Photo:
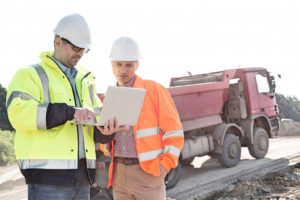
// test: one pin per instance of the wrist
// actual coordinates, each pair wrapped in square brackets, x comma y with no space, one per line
[70,111]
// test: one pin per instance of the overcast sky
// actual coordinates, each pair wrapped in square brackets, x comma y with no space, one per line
[174,36]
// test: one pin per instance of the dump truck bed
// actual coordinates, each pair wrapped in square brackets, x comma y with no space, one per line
[200,98]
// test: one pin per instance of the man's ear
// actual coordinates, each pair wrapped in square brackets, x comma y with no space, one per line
[137,65]
[57,42]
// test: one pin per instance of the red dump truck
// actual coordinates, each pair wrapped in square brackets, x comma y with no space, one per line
[224,111]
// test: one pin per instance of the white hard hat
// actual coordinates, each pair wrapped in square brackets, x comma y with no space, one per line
[125,49]
[75,29]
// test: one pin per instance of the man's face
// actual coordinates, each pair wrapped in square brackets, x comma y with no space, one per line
[124,71]
[64,53]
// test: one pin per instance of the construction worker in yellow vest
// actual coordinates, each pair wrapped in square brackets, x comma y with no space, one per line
[56,155]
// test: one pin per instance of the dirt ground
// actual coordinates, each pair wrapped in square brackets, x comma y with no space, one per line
[275,186]
[289,128]
[283,185]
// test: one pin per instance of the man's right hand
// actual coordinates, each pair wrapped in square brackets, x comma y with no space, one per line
[83,115]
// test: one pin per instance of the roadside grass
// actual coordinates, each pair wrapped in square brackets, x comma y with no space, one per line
[7,153]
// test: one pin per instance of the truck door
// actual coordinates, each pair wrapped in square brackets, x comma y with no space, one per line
[265,95]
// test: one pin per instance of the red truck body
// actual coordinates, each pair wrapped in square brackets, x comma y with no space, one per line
[200,99]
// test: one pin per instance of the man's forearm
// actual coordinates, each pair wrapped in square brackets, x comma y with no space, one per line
[100,138]
[58,114]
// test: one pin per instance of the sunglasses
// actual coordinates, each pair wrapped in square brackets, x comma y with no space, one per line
[75,48]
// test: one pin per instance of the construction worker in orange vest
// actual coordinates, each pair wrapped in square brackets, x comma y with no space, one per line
[145,153]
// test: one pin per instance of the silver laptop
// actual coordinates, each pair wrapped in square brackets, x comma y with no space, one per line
[121,102]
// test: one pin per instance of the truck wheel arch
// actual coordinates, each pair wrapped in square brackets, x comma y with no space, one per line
[220,132]
[260,120]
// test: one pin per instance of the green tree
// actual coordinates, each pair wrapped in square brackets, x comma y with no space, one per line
[4,122]
[289,107]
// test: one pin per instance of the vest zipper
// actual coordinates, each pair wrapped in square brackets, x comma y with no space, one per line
[89,176]
[74,98]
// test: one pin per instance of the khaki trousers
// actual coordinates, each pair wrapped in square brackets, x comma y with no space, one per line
[130,182]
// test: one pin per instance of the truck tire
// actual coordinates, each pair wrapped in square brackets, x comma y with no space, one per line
[260,145]
[172,177]
[187,161]
[231,151]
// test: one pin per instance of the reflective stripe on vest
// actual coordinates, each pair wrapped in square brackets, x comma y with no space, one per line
[150,155]
[91,94]
[172,150]
[53,164]
[148,132]
[45,82]
[177,133]
[41,122]
[154,154]
[22,95]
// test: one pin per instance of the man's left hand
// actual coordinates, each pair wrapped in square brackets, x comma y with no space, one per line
[163,171]
[111,127]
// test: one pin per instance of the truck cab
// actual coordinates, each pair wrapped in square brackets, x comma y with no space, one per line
[261,97]
[252,97]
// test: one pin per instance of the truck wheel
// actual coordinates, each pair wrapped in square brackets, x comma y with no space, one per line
[172,177]
[231,151]
[260,145]
[187,161]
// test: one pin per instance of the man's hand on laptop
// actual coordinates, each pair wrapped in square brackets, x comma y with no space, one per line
[84,115]
[111,127]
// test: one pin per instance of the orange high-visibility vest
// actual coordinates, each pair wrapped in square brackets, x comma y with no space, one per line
[158,133]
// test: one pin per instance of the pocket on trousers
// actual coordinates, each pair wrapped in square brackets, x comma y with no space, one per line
[146,180]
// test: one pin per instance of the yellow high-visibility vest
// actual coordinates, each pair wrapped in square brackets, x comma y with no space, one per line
[28,95]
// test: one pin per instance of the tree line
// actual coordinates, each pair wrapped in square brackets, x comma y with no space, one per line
[289,107]
[4,122]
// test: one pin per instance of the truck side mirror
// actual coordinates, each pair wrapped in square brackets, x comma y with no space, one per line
[273,83]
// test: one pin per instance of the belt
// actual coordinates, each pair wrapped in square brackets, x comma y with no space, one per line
[127,161]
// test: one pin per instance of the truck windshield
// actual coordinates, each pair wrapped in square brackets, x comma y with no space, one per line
[262,83]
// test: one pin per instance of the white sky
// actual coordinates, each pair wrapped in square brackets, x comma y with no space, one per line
[174,36]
